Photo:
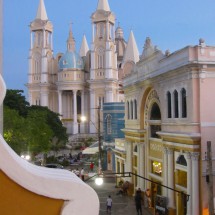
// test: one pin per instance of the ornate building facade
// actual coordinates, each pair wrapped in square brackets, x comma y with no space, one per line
[76,83]
[168,121]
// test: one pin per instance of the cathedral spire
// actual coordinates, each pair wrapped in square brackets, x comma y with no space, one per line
[131,52]
[41,11]
[103,5]
[84,47]
[70,40]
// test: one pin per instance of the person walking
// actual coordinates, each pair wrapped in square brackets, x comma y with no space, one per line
[109,204]
[82,174]
[138,201]
[91,166]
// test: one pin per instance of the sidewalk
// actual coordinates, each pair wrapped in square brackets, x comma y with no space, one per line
[121,204]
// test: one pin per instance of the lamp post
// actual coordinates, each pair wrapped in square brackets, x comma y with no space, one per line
[99,179]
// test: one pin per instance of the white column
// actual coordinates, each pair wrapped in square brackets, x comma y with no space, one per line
[75,122]
[189,183]
[92,71]
[44,99]
[141,164]
[138,164]
[82,103]
[128,161]
[60,103]
[75,106]
[108,95]
[170,179]
[179,105]
[165,171]
[107,31]
[93,112]
[82,111]
[44,75]
[195,183]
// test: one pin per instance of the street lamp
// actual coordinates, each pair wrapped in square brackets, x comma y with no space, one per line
[99,180]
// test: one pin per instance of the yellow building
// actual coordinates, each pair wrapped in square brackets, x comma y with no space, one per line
[168,120]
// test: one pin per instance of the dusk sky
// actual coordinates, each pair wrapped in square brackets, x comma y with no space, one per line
[170,25]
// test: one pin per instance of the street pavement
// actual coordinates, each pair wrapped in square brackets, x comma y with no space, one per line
[121,204]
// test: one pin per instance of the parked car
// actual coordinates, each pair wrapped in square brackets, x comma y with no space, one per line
[53,165]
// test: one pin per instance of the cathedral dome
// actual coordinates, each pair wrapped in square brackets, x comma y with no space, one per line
[71,60]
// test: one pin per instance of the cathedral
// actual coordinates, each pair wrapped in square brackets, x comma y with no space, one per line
[77,83]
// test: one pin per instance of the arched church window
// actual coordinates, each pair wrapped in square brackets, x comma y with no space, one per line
[100,58]
[101,30]
[135,148]
[155,112]
[135,109]
[184,103]
[175,93]
[36,67]
[155,120]
[39,35]
[169,105]
[132,109]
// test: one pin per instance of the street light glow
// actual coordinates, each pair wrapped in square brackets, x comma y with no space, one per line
[27,157]
[83,118]
[99,181]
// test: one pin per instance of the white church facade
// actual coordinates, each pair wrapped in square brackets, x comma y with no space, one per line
[75,83]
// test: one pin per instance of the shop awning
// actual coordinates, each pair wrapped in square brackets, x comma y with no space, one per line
[91,150]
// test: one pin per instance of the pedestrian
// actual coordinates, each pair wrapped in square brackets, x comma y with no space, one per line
[138,200]
[82,174]
[91,166]
[109,204]
[77,172]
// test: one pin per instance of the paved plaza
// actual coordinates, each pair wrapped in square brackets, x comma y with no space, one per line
[121,204]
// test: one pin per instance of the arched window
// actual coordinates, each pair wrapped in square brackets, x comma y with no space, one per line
[100,58]
[100,61]
[181,160]
[176,103]
[135,109]
[101,30]
[169,105]
[108,118]
[155,120]
[36,67]
[155,112]
[183,103]
[132,109]
[128,110]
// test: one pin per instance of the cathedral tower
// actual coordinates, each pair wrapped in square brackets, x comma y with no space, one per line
[103,73]
[40,59]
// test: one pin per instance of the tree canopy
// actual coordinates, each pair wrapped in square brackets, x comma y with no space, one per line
[31,129]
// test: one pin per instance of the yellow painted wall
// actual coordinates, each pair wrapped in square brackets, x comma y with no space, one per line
[16,200]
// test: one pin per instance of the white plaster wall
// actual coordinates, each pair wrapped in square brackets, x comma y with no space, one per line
[80,199]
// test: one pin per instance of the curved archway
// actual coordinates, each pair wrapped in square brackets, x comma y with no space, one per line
[142,107]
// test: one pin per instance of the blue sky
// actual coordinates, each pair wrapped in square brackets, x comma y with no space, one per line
[170,24]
